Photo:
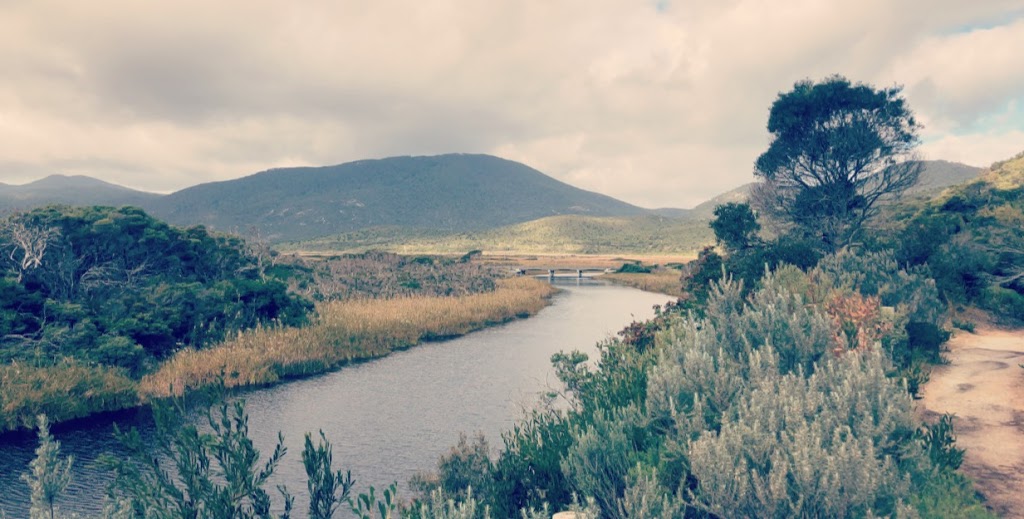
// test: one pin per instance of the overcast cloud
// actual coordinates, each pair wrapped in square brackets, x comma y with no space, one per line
[659,103]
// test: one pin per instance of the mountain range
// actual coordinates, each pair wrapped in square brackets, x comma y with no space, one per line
[442,194]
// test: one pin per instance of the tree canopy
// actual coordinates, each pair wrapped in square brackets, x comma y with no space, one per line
[837,149]
[116,286]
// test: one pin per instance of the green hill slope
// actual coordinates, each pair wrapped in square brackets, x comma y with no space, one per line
[454,193]
[567,234]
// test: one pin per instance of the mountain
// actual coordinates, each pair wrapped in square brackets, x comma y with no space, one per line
[940,174]
[706,210]
[451,193]
[70,190]
[936,175]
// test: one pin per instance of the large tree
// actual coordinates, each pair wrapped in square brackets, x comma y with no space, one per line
[837,150]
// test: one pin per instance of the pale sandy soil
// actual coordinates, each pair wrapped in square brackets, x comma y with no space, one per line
[983,386]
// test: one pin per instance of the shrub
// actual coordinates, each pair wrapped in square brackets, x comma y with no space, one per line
[466,467]
[633,268]
[601,456]
[820,446]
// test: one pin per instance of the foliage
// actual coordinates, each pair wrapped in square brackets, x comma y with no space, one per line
[778,400]
[939,443]
[114,291]
[327,488]
[837,150]
[970,239]
[382,275]
[633,268]
[528,472]
[467,466]
[215,474]
[601,455]
[49,475]
[735,226]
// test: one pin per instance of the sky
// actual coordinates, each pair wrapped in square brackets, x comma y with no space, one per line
[661,103]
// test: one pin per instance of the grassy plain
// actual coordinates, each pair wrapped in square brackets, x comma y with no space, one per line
[344,331]
[564,234]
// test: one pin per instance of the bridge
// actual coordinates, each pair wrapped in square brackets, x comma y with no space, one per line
[552,272]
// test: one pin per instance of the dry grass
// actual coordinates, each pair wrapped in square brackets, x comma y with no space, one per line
[345,331]
[662,281]
[63,392]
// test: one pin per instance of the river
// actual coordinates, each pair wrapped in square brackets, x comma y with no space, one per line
[389,418]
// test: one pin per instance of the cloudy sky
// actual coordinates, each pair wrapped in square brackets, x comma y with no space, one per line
[657,102]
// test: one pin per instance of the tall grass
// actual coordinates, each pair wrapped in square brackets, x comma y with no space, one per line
[662,280]
[63,392]
[343,332]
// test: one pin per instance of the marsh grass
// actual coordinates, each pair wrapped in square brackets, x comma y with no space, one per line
[63,392]
[661,280]
[343,332]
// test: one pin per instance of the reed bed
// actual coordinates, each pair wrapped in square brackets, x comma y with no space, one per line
[343,332]
[662,281]
[64,392]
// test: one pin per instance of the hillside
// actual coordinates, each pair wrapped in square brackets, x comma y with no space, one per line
[70,190]
[564,234]
[937,175]
[454,193]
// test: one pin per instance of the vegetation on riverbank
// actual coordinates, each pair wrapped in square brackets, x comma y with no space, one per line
[662,280]
[100,306]
[92,298]
[782,385]
[344,331]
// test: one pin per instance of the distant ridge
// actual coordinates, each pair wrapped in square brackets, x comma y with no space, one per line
[936,175]
[70,190]
[452,193]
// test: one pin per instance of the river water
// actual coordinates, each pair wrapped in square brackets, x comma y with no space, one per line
[388,418]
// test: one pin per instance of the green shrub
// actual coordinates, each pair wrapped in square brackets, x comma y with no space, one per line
[528,472]
[633,268]
[601,455]
[1003,301]
[814,447]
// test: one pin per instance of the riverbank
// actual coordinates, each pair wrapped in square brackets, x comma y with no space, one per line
[662,280]
[343,332]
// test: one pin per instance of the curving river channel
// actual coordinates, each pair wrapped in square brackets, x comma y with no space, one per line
[388,418]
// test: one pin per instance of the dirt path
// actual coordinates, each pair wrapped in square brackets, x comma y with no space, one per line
[983,385]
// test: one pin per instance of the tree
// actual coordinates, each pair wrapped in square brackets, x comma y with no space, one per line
[735,226]
[837,150]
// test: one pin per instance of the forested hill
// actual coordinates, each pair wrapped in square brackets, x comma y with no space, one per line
[71,190]
[446,192]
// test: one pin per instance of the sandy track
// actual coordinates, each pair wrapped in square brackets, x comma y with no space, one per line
[983,386]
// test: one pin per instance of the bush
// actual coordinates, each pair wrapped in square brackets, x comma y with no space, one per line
[633,268]
[821,446]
